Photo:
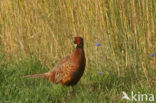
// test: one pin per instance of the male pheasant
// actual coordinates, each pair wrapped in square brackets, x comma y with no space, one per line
[70,69]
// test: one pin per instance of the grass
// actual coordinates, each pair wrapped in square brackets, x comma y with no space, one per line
[36,34]
[93,87]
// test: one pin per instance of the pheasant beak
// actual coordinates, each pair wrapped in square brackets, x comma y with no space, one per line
[74,41]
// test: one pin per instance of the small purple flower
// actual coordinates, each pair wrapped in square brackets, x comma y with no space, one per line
[152,55]
[100,73]
[98,44]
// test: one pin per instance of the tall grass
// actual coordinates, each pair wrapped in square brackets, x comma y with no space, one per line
[44,29]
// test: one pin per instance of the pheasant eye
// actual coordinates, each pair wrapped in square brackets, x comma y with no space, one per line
[78,42]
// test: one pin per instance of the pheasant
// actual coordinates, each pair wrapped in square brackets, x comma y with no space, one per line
[70,69]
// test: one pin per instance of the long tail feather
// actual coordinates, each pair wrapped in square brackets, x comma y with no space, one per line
[36,75]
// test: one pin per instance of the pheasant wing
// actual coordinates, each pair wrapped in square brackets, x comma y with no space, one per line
[64,70]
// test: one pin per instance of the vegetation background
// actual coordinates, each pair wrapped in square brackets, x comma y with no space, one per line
[36,34]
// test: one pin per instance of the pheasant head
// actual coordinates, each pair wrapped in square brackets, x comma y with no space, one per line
[78,41]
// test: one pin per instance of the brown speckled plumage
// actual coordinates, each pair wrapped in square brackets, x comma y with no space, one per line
[70,69]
